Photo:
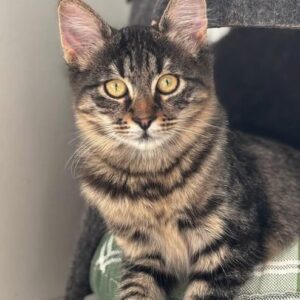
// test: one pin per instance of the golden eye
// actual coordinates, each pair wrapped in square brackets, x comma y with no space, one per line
[116,88]
[167,84]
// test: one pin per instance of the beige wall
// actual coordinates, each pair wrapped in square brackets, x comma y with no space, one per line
[39,204]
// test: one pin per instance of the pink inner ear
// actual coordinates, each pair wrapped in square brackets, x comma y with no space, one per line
[80,29]
[71,41]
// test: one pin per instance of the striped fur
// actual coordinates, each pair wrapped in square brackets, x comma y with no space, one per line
[188,199]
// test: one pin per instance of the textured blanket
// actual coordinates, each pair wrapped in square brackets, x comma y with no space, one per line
[276,280]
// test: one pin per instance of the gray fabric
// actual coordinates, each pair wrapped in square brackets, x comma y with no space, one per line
[231,13]
[255,13]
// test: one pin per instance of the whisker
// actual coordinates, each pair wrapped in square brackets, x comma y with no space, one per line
[169,124]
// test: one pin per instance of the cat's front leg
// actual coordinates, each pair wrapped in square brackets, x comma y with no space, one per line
[144,279]
[203,289]
[216,275]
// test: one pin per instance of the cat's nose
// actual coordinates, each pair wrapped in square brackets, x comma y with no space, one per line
[144,123]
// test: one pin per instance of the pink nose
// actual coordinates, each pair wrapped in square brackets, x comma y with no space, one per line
[144,123]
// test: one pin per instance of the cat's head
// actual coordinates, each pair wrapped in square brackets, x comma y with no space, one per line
[138,86]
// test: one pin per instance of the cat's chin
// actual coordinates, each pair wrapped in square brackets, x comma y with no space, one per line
[145,142]
[145,137]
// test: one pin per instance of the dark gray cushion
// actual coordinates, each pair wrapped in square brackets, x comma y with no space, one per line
[232,13]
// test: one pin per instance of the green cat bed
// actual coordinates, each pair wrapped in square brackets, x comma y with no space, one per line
[277,280]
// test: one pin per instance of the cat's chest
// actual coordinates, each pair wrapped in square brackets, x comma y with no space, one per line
[160,224]
[144,228]
[174,247]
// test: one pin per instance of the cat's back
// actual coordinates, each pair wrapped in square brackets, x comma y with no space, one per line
[278,167]
[273,159]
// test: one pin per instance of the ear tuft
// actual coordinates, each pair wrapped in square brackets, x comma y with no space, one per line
[185,22]
[82,32]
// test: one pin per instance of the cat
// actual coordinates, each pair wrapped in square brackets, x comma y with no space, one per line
[186,197]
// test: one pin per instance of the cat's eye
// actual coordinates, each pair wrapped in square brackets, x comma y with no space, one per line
[167,84]
[116,88]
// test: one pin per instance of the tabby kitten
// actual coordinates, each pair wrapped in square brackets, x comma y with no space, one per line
[185,198]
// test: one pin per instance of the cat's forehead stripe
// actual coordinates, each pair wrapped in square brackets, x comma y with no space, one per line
[139,62]
[151,66]
[114,70]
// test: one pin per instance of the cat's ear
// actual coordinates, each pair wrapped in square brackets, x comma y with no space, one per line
[185,22]
[82,32]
